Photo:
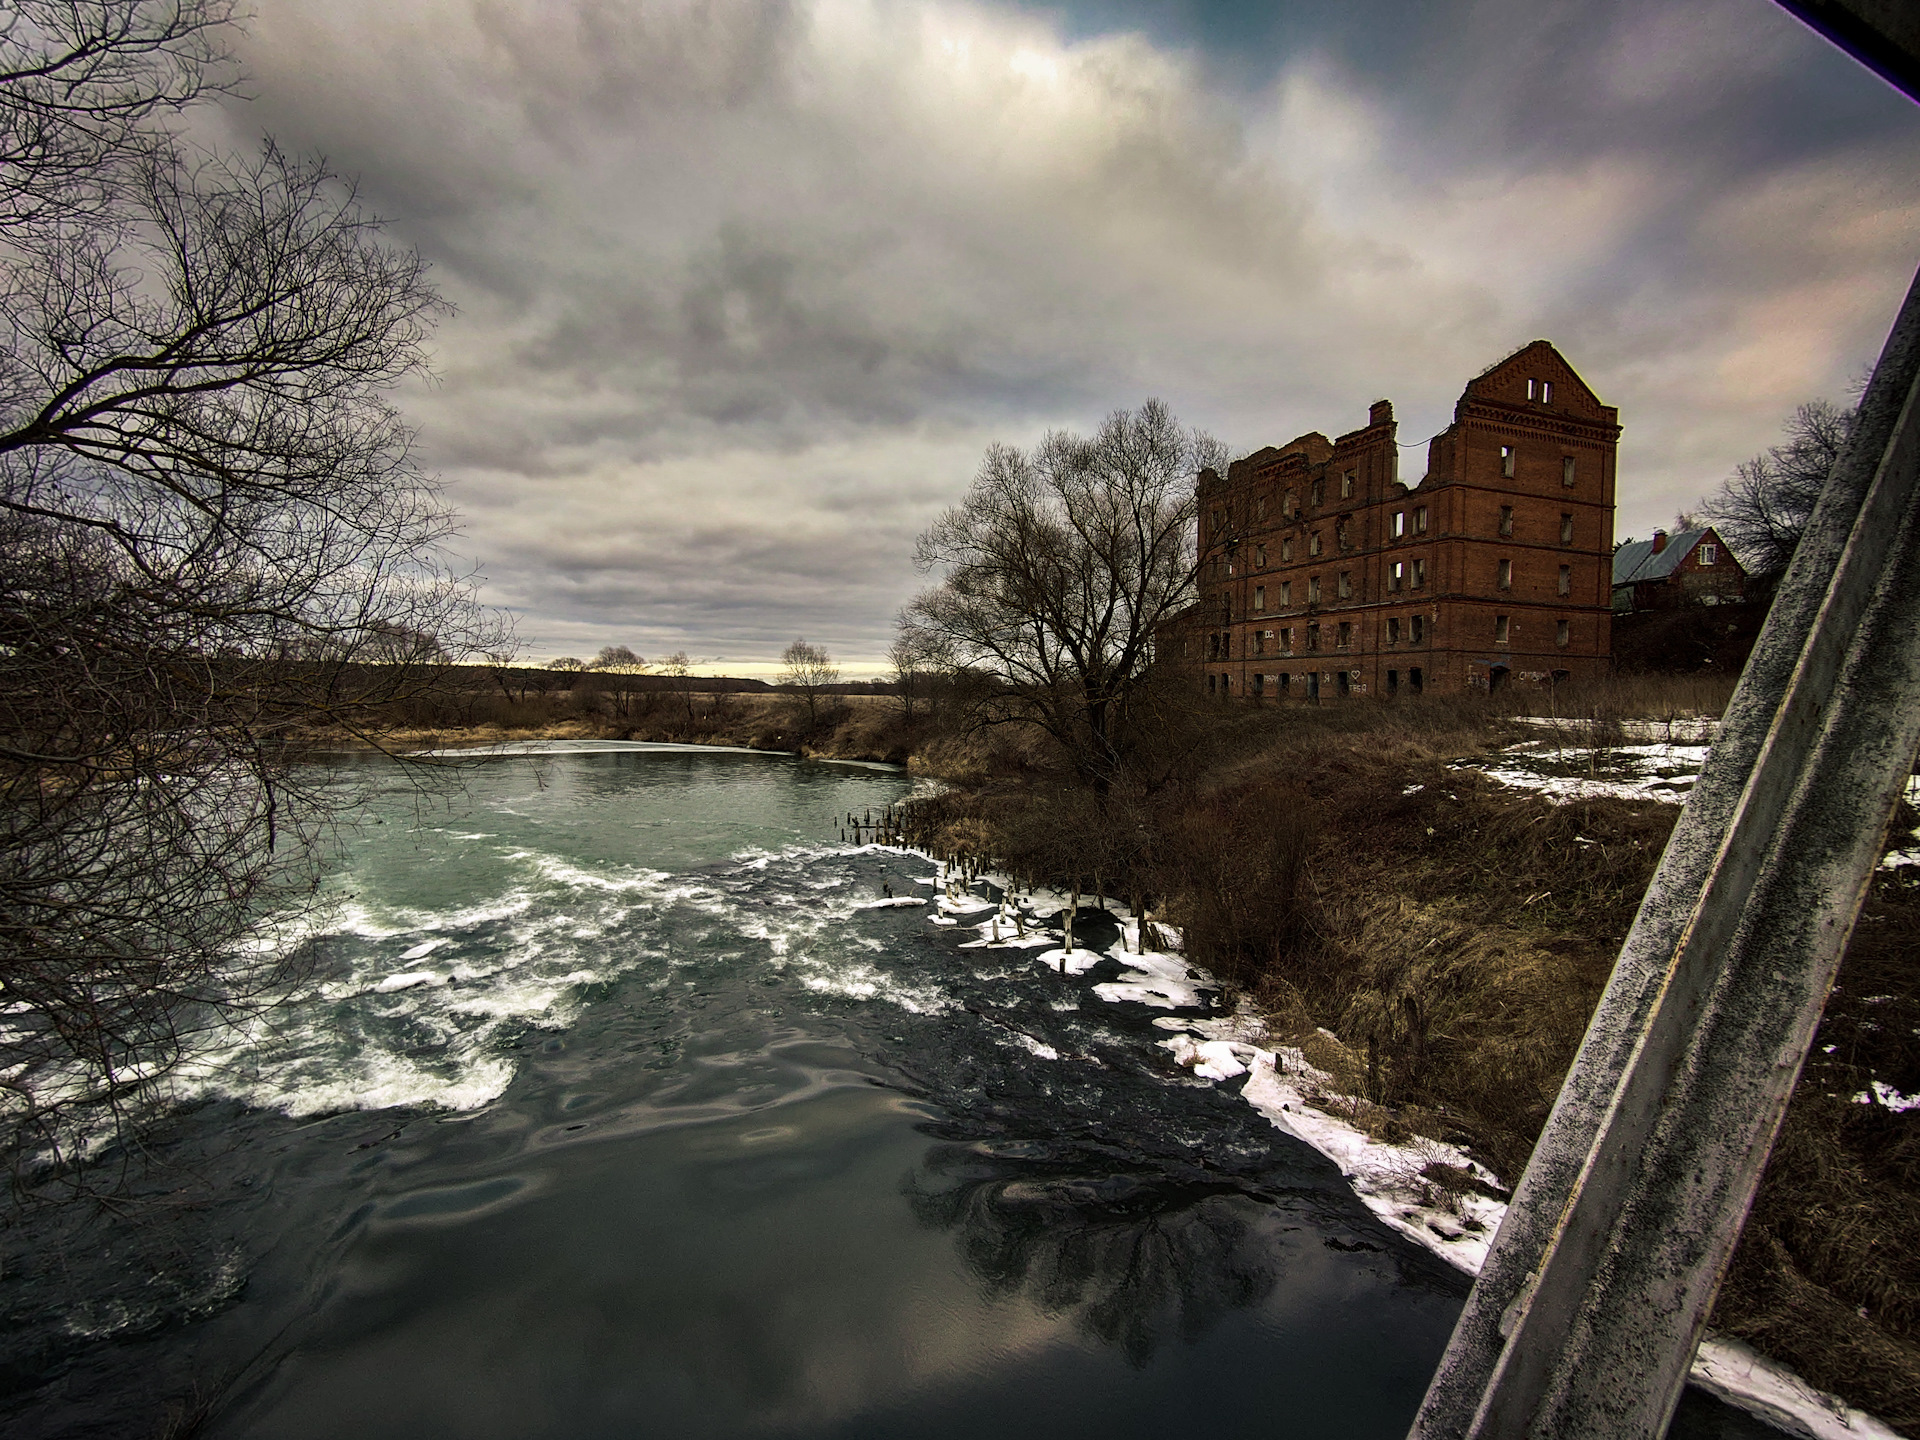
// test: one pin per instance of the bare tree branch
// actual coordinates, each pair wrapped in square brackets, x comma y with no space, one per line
[214,545]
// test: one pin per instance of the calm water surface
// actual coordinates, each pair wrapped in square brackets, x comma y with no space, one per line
[610,1112]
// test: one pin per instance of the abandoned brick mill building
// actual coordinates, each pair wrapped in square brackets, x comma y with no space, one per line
[1324,575]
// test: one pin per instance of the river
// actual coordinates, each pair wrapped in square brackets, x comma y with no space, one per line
[614,1107]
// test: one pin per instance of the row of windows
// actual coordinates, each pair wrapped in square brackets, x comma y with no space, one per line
[1222,515]
[1401,575]
[1566,524]
[1410,630]
[1309,682]
[1402,524]
[1510,459]
[1503,631]
[1280,642]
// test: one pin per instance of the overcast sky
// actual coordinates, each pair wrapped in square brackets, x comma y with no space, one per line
[745,289]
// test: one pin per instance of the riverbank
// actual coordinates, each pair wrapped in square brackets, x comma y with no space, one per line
[1426,909]
[841,727]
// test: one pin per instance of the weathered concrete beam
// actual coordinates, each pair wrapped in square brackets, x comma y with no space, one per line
[1586,1315]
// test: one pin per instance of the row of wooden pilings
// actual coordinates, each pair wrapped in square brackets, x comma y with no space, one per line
[904,826]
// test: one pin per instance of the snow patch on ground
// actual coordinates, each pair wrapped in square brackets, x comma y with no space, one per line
[1884,1094]
[1392,1181]
[1656,771]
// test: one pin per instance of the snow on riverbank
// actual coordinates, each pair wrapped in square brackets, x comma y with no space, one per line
[1396,1182]
[1433,1193]
[1650,771]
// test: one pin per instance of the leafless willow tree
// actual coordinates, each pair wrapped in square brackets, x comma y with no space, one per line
[919,668]
[1057,568]
[214,544]
[808,670]
[1762,508]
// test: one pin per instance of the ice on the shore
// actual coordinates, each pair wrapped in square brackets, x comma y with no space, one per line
[1393,1181]
[1153,979]
[1065,962]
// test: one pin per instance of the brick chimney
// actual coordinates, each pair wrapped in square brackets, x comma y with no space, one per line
[1659,541]
[1380,412]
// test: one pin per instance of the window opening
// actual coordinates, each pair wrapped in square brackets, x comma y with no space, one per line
[1346,584]
[1500,629]
[1313,543]
[1399,524]
[1709,554]
[1416,680]
[1506,520]
[1507,461]
[1506,574]
[1259,557]
[1260,599]
[1566,579]
[1313,590]
[1560,629]
[1566,469]
[1419,519]
[1346,485]
[1396,574]
[1566,529]
[1393,630]
[1345,638]
[1419,630]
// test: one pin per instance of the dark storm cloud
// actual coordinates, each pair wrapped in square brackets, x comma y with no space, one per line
[744,289]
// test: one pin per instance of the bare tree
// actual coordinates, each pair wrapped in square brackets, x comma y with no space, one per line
[918,664]
[1762,508]
[620,659]
[678,668]
[214,544]
[567,663]
[1059,564]
[808,669]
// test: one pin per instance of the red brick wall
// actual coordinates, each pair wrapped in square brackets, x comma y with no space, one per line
[1245,530]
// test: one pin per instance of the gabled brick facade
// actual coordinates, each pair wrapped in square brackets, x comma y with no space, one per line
[1326,575]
